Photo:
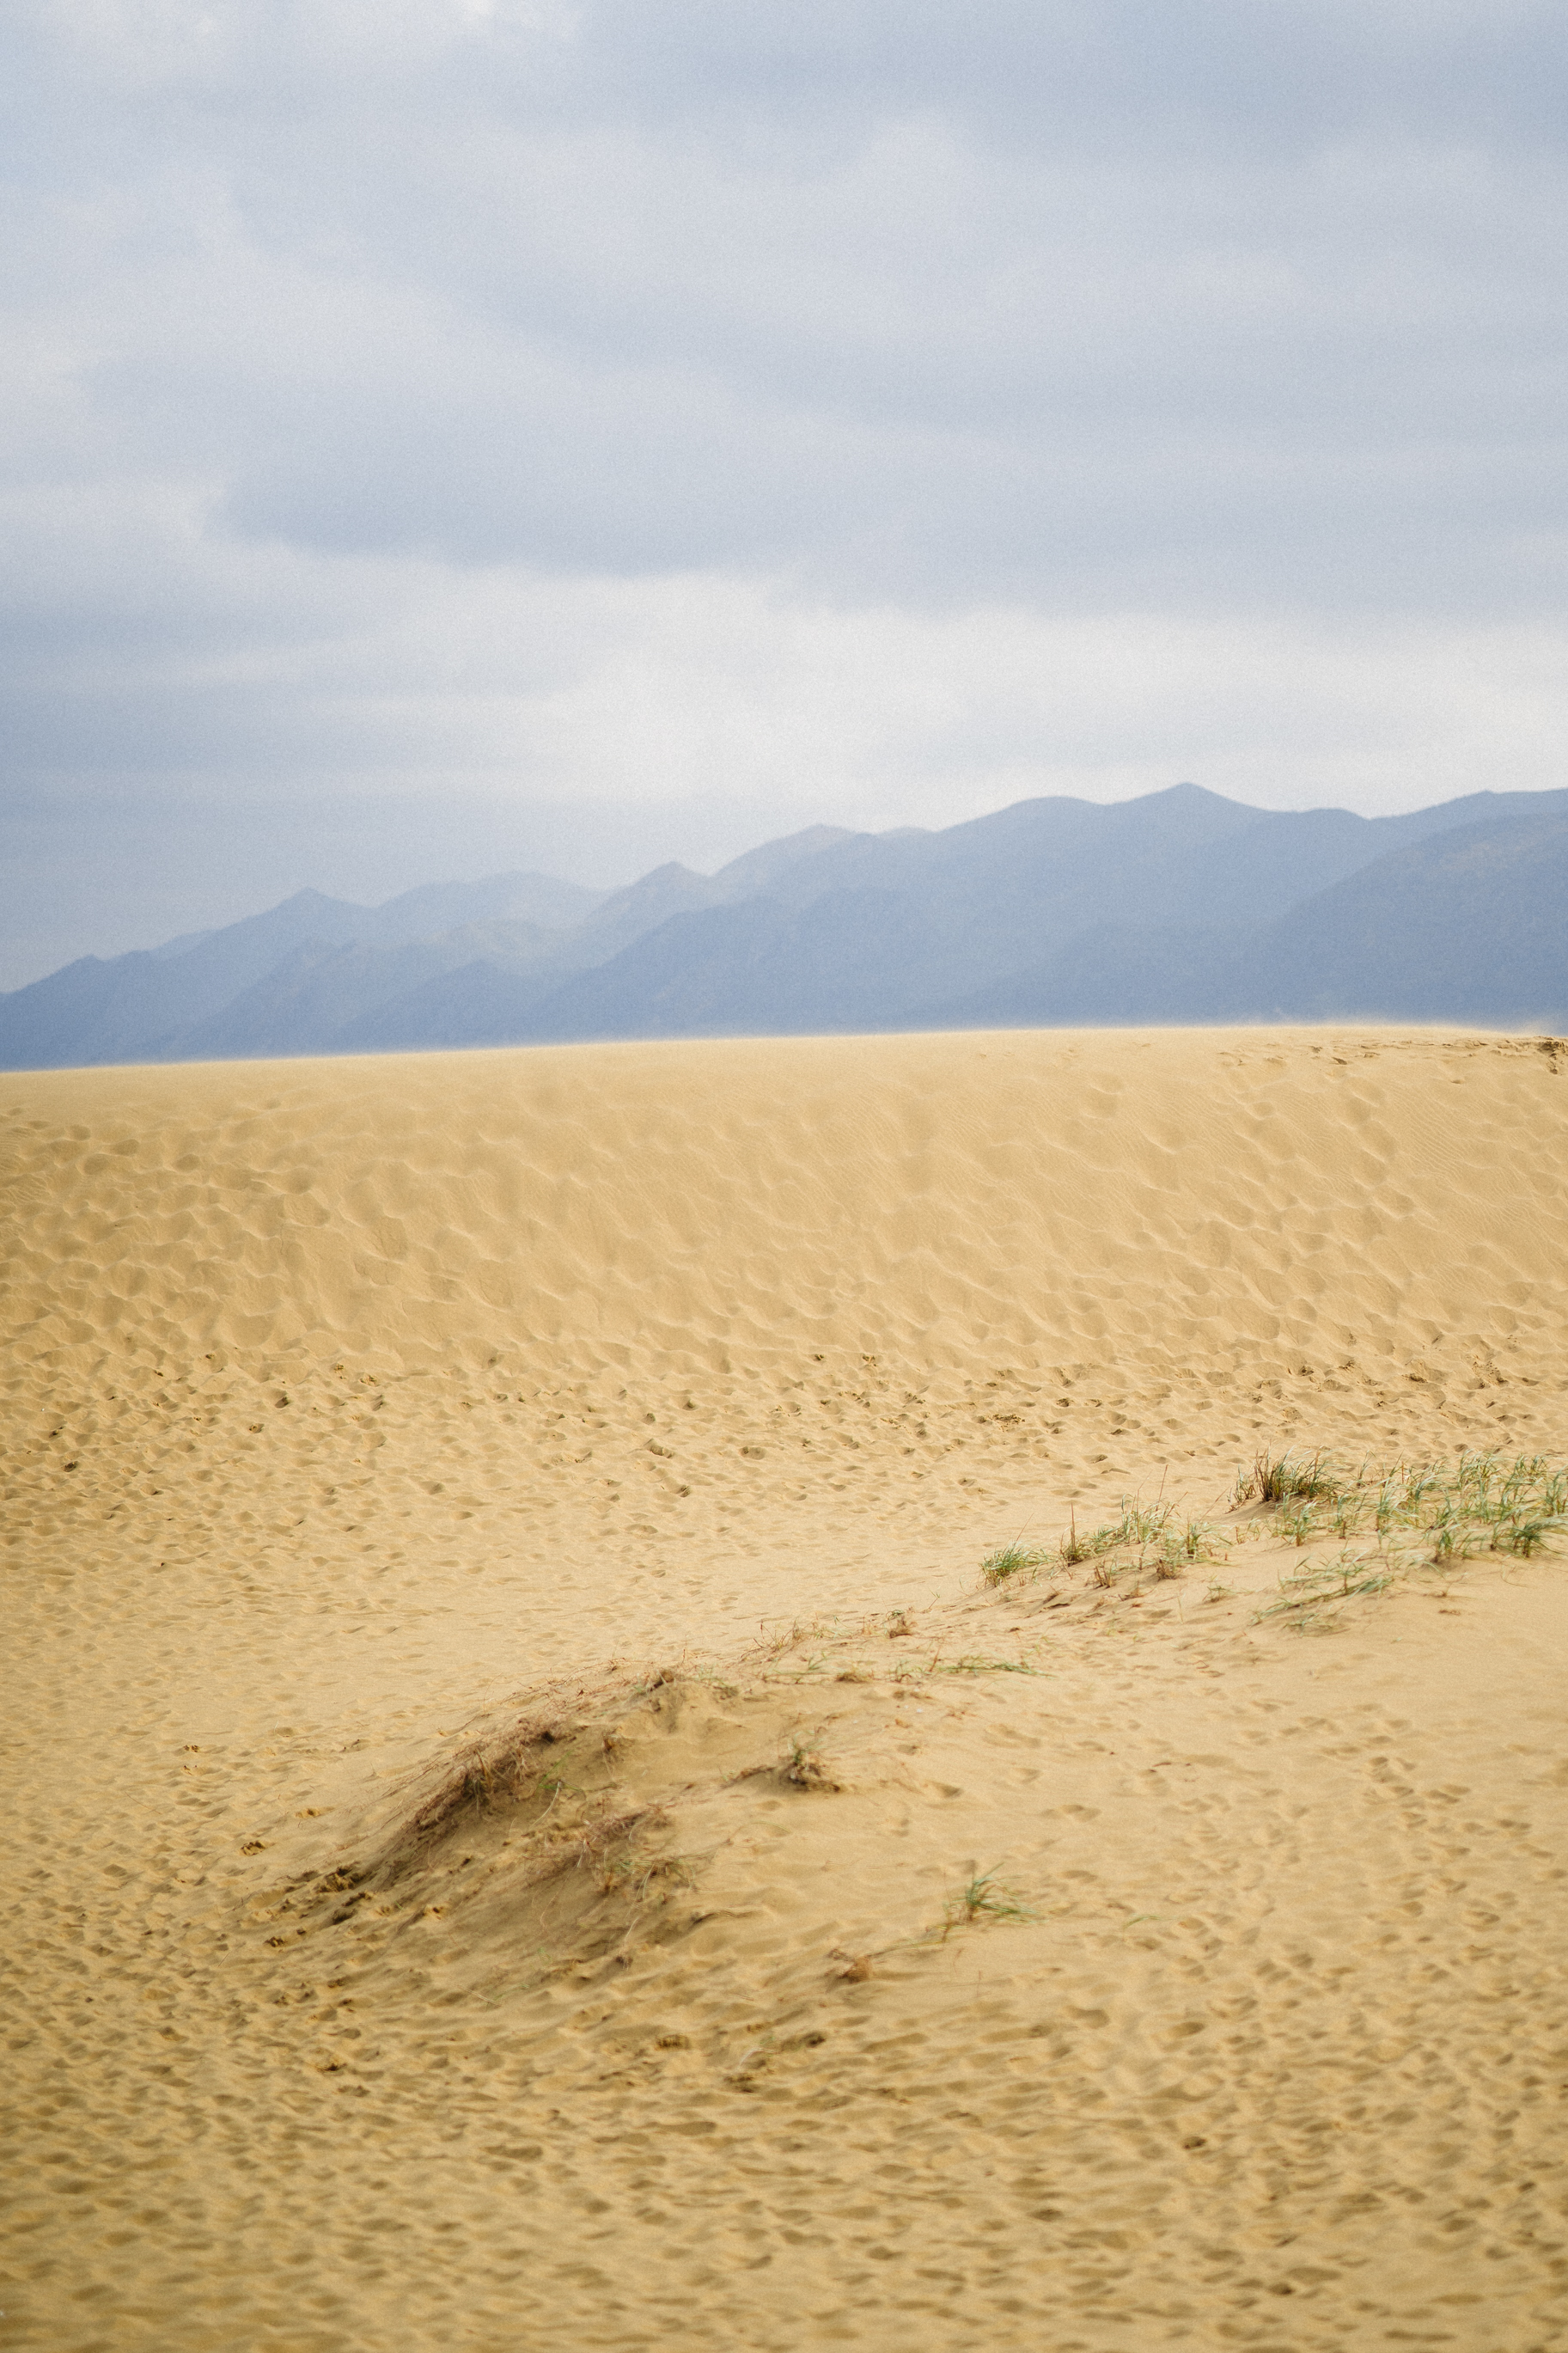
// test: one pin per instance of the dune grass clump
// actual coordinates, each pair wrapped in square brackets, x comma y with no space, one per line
[1479,1503]
[1523,1505]
[803,1764]
[1423,1515]
[518,1769]
[1281,1479]
[1146,1539]
[1307,1598]
[982,1897]
[1197,1540]
[998,1567]
[1141,1524]
[1432,1512]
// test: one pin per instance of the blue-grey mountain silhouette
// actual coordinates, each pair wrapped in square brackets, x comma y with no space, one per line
[1178,907]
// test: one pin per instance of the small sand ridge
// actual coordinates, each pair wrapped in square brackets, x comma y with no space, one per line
[527,1825]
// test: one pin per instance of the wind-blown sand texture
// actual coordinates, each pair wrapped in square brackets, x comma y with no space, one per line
[501,1707]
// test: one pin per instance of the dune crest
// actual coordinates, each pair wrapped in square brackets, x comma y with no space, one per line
[1145,1197]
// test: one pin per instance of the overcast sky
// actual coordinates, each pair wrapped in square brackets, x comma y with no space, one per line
[441,436]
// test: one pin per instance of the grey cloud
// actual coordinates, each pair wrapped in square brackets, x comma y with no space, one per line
[1049,301]
[1233,310]
[1230,400]
[1232,72]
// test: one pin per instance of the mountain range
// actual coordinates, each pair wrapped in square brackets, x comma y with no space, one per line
[1181,906]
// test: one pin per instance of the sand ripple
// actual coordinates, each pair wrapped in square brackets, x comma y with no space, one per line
[358,1411]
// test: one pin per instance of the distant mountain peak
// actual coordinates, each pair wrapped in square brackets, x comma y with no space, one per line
[1179,904]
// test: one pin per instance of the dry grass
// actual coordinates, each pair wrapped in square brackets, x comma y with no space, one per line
[512,1770]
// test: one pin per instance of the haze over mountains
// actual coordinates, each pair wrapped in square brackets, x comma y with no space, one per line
[1178,907]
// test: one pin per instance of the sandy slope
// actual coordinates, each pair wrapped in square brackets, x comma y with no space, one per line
[360,1411]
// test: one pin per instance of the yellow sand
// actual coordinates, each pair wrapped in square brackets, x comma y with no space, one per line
[663,1401]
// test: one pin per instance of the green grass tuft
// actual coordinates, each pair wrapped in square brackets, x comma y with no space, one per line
[983,1899]
[998,1567]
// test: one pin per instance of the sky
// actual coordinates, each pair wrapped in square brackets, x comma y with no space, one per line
[446,436]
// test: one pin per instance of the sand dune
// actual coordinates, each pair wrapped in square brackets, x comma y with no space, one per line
[502,1709]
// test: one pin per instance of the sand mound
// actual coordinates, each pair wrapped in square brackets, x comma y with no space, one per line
[529,1825]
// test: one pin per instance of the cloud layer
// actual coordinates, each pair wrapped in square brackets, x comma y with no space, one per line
[870,411]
